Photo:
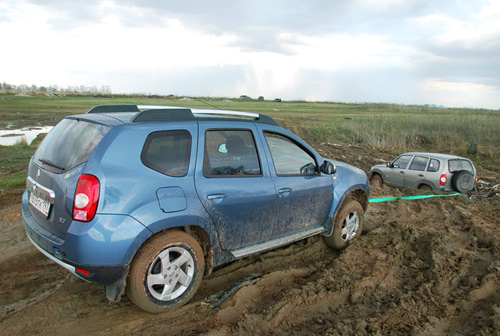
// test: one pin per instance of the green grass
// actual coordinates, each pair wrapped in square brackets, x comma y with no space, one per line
[384,127]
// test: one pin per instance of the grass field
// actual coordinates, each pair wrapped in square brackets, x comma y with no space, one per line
[394,128]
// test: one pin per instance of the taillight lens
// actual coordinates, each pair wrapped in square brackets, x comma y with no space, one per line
[442,179]
[86,198]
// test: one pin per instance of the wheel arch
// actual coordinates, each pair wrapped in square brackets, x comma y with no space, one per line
[197,232]
[357,193]
[374,172]
[115,291]
[426,183]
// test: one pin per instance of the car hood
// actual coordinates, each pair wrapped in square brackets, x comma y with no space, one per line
[345,168]
[379,166]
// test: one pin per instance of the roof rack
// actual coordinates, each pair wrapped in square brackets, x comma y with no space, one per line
[164,114]
[147,113]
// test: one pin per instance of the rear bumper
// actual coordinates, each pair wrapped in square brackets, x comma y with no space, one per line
[98,252]
[101,275]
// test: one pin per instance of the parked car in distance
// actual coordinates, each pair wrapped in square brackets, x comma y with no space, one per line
[154,197]
[427,171]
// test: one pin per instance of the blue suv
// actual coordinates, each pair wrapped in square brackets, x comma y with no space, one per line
[146,199]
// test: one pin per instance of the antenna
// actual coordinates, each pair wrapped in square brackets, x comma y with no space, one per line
[204,102]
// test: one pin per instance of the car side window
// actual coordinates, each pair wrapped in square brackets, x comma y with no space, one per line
[230,153]
[168,152]
[288,157]
[419,163]
[433,166]
[402,161]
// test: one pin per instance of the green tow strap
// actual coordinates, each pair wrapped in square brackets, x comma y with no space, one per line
[388,199]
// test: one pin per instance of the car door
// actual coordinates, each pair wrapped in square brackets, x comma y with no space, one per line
[415,174]
[395,172]
[304,194]
[233,185]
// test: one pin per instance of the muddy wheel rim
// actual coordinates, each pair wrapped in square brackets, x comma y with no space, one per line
[350,226]
[170,274]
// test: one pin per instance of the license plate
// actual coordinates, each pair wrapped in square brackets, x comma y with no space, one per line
[39,204]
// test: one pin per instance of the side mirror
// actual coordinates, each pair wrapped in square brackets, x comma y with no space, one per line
[390,165]
[328,168]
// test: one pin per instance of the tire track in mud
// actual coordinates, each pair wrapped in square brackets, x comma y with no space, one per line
[422,267]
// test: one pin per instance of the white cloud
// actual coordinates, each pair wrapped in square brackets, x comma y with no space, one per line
[461,94]
[365,50]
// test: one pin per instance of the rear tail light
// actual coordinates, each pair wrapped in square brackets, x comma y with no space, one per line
[86,198]
[442,179]
[475,180]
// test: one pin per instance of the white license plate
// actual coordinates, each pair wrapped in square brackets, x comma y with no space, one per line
[40,204]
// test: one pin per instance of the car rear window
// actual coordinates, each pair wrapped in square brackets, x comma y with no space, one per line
[433,166]
[460,164]
[168,152]
[69,144]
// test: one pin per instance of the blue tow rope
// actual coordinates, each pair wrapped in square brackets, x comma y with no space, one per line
[388,199]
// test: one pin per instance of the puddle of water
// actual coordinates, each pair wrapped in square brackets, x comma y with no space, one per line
[28,134]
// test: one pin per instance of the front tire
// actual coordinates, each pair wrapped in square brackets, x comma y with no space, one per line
[166,272]
[348,225]
[425,188]
[376,180]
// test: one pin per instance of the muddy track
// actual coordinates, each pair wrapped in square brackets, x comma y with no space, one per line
[425,267]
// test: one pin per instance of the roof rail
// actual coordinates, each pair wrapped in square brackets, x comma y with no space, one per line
[113,109]
[257,117]
[226,112]
[171,113]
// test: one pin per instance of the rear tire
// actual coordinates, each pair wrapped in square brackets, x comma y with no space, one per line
[348,225]
[462,181]
[166,272]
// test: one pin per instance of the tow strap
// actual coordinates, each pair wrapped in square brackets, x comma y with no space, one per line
[388,199]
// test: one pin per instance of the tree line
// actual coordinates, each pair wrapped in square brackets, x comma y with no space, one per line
[55,88]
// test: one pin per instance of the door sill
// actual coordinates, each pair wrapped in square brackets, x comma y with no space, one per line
[261,247]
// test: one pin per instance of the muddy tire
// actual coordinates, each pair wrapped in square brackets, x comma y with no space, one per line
[462,181]
[376,180]
[348,225]
[425,188]
[166,272]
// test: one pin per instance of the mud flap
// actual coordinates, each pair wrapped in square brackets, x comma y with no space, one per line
[114,291]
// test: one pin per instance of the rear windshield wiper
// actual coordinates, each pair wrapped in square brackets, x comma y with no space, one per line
[50,163]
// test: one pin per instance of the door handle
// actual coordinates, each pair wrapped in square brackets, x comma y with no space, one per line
[421,175]
[284,192]
[216,198]
[401,172]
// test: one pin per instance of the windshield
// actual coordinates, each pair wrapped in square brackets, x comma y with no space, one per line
[69,144]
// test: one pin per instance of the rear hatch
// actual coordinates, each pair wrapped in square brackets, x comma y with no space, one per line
[54,171]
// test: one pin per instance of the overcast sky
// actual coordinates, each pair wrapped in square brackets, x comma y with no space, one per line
[443,52]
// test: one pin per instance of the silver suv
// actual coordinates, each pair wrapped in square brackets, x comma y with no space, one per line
[427,171]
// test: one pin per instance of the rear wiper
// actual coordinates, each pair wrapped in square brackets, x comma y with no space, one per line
[50,163]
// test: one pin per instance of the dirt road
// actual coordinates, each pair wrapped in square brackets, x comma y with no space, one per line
[425,267]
